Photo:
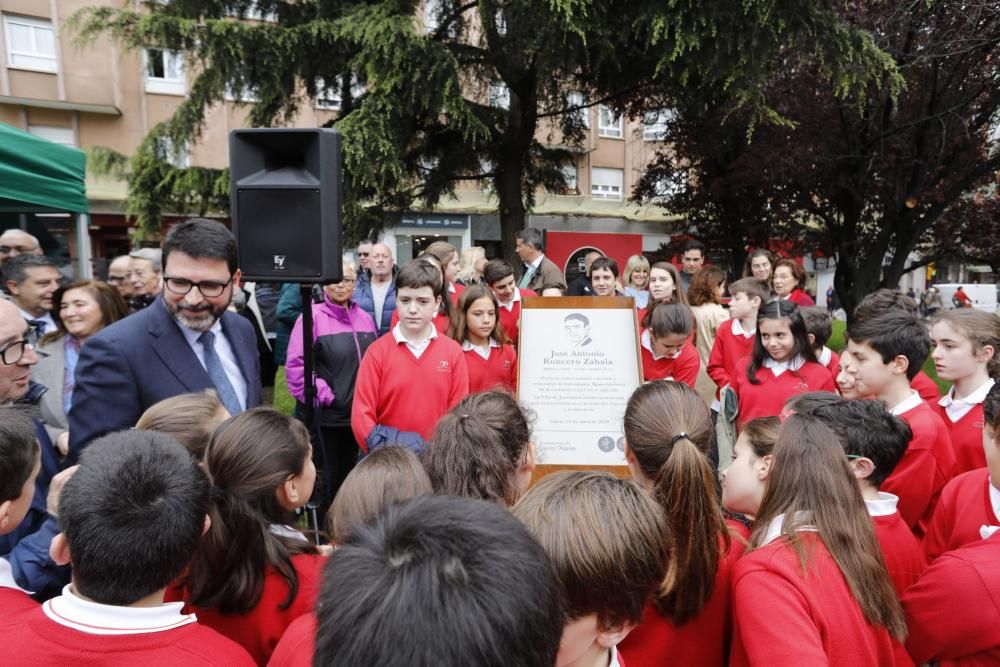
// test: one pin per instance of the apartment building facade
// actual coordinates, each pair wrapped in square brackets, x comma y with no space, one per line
[102,95]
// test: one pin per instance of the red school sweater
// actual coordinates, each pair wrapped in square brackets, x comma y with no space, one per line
[684,368]
[953,611]
[727,351]
[924,469]
[297,645]
[903,556]
[702,641]
[964,506]
[497,372]
[926,387]
[396,389]
[260,630]
[510,320]
[768,398]
[14,602]
[783,616]
[41,642]
[966,437]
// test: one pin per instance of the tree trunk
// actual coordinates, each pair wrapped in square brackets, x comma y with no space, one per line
[512,210]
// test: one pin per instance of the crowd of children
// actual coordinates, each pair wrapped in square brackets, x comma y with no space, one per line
[853,523]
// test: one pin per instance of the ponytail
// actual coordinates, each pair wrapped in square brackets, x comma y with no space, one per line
[669,431]
[249,457]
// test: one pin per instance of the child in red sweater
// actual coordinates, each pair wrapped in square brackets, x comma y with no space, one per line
[970,504]
[734,339]
[819,325]
[874,440]
[667,352]
[967,353]
[253,574]
[814,588]
[782,364]
[744,480]
[885,352]
[491,359]
[668,433]
[482,449]
[498,275]
[20,463]
[410,378]
[131,516]
[608,541]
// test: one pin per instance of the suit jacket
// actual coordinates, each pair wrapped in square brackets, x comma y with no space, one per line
[547,275]
[50,373]
[141,360]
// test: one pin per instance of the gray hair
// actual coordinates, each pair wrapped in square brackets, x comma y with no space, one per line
[152,255]
[16,268]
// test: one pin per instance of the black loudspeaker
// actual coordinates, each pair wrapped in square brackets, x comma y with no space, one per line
[286,198]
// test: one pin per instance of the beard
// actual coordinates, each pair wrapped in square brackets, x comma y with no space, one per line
[198,318]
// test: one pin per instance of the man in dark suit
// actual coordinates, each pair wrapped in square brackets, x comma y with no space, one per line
[540,272]
[184,341]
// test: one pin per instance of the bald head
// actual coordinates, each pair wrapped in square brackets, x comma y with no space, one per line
[14,242]
[380,262]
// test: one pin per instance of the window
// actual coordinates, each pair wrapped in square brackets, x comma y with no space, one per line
[244,94]
[606,183]
[329,97]
[31,43]
[655,125]
[164,72]
[574,104]
[57,135]
[569,173]
[499,95]
[609,124]
[167,152]
[253,12]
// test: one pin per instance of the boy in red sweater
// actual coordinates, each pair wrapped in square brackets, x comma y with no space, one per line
[131,516]
[498,275]
[734,339]
[819,324]
[884,354]
[410,378]
[969,508]
[875,440]
[20,463]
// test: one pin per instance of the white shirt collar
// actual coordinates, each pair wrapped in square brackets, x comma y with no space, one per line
[451,287]
[907,404]
[779,367]
[976,397]
[824,356]
[884,506]
[984,530]
[614,658]
[738,329]
[287,532]
[646,340]
[416,348]
[514,299]
[482,351]
[775,526]
[72,611]
[50,324]
[7,577]
[537,262]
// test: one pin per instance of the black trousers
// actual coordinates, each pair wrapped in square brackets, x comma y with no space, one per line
[334,455]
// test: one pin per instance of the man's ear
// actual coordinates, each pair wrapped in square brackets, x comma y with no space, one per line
[5,515]
[12,287]
[59,550]
[900,364]
[614,635]
[862,467]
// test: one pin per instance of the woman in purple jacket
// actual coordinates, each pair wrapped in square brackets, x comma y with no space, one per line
[342,331]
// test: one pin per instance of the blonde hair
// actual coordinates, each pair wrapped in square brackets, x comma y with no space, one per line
[635,263]
[190,419]
[981,328]
[467,263]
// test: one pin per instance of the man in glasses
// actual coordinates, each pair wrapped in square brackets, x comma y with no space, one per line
[118,276]
[184,341]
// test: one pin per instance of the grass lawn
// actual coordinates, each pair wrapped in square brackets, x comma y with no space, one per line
[283,401]
[837,344]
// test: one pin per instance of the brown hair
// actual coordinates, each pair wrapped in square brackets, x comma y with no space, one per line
[664,319]
[705,285]
[680,296]
[819,323]
[981,328]
[811,483]
[883,300]
[190,419]
[443,251]
[752,288]
[387,476]
[759,252]
[797,271]
[606,537]
[762,433]
[108,299]
[669,431]
[478,447]
[458,330]
[249,457]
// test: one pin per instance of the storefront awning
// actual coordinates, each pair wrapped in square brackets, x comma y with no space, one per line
[37,175]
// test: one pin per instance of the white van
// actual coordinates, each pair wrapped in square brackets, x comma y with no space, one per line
[984,297]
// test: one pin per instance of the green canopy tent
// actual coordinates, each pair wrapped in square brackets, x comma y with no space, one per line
[39,176]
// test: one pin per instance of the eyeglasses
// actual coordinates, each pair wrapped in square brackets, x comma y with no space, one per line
[7,249]
[363,254]
[14,352]
[208,288]
[117,279]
